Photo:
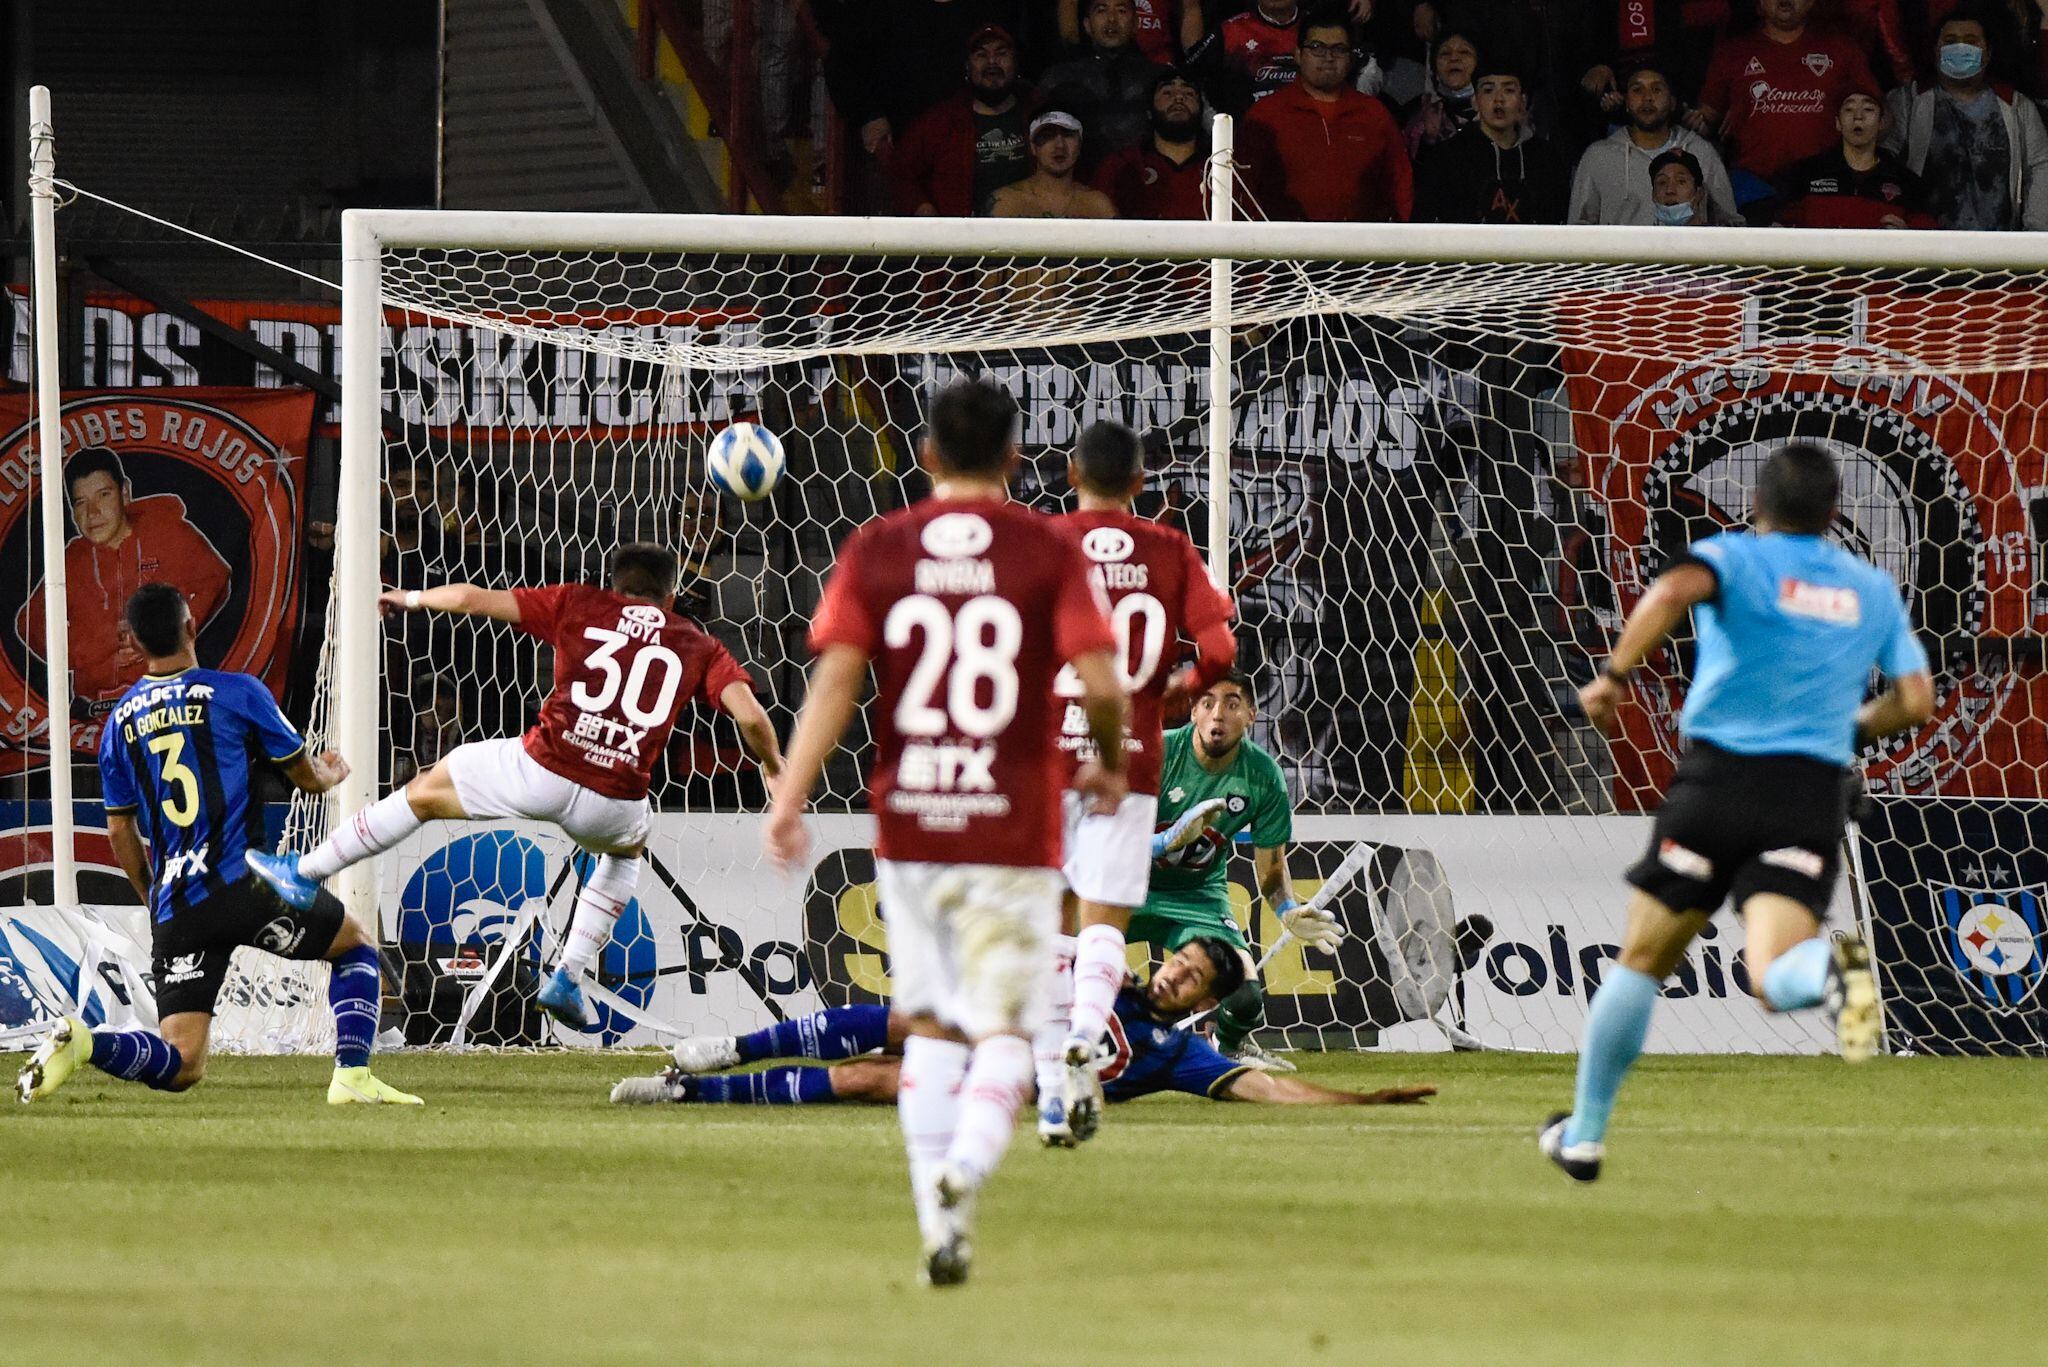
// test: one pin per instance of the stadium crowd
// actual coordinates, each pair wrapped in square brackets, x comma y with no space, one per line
[1811,113]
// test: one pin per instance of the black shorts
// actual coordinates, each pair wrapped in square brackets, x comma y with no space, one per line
[190,952]
[1737,825]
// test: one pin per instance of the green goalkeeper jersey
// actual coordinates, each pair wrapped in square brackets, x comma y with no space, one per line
[1255,798]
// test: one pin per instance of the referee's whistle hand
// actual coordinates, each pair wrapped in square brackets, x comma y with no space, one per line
[1601,699]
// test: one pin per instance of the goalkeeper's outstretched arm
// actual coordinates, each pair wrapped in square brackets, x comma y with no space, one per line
[463,600]
[756,730]
[1284,1089]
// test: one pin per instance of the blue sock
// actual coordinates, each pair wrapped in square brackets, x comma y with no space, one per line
[770,1087]
[353,993]
[1615,1029]
[1798,978]
[137,1056]
[837,1032]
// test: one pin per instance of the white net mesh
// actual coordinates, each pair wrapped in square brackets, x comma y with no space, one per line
[1449,481]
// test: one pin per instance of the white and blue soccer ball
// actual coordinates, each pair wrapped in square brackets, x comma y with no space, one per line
[745,460]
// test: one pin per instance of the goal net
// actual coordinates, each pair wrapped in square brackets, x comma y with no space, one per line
[1451,460]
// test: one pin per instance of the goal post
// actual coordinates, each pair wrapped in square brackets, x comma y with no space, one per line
[1435,465]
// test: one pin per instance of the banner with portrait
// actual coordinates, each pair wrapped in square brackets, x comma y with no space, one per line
[198,488]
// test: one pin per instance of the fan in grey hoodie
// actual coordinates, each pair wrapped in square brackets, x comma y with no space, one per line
[1613,180]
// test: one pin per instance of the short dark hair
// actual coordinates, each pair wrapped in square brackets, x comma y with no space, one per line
[1229,964]
[93,460]
[1328,16]
[1243,681]
[972,426]
[156,614]
[1110,457]
[1798,488]
[641,569]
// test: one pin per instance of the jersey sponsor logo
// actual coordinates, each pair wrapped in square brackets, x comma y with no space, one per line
[645,614]
[1820,602]
[1819,63]
[1106,544]
[184,864]
[281,936]
[1684,862]
[184,968]
[956,536]
[1996,941]
[947,768]
[1805,863]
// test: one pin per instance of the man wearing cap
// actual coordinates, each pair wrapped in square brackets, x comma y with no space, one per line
[1856,184]
[955,156]
[1612,184]
[1051,191]
[1108,84]
[1161,177]
[1322,151]
[1678,192]
[1495,169]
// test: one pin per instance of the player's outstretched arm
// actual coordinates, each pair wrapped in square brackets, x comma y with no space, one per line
[464,600]
[828,711]
[1656,614]
[311,773]
[756,731]
[1309,922]
[1286,1089]
[127,842]
[1907,703]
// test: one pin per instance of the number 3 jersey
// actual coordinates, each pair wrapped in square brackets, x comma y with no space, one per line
[1159,592]
[967,610]
[623,670]
[177,751]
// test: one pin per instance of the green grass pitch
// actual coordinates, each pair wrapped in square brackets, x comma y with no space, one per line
[1754,1212]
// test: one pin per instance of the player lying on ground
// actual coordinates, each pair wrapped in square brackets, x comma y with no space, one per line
[625,664]
[1790,627]
[1159,592]
[1146,1051]
[175,761]
[965,606]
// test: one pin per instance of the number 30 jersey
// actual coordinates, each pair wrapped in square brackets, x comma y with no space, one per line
[623,670]
[1159,591]
[967,610]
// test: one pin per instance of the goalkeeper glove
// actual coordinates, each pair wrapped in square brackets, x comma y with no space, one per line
[1311,925]
[1188,829]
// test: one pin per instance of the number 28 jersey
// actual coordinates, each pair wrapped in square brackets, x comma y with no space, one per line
[623,670]
[967,610]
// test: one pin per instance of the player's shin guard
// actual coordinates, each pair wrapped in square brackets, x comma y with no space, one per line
[354,992]
[1615,1030]
[1798,978]
[1240,1013]
[998,1080]
[137,1056]
[1099,970]
[373,830]
[604,895]
[834,1033]
[928,1108]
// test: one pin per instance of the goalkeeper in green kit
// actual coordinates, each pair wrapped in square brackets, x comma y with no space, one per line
[1225,782]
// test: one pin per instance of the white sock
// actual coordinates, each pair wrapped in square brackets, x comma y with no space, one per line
[928,1109]
[1048,1057]
[373,830]
[1099,971]
[997,1080]
[604,895]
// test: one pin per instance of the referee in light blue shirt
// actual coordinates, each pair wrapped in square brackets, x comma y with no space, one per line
[1790,627]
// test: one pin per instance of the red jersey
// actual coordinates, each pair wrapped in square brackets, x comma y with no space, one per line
[1159,592]
[1261,50]
[1144,183]
[967,609]
[1780,99]
[623,670]
[1158,30]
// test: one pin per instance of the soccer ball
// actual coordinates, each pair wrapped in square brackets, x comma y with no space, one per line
[745,460]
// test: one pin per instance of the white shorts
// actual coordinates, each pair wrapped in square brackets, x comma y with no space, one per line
[1109,858]
[497,781]
[971,943]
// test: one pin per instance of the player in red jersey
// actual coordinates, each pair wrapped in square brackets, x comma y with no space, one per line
[1159,592]
[625,664]
[965,606]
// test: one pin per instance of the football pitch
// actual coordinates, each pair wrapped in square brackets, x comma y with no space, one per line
[1753,1211]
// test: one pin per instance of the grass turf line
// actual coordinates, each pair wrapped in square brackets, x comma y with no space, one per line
[1754,1211]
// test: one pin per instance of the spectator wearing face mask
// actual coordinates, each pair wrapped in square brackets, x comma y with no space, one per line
[1496,170]
[1857,184]
[1678,190]
[1161,177]
[1447,98]
[1612,184]
[1979,148]
[1322,151]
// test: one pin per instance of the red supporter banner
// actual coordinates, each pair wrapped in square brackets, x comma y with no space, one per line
[199,488]
[1943,486]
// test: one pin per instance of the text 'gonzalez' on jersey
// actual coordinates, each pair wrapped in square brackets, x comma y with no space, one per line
[1787,644]
[967,610]
[1159,593]
[177,751]
[623,670]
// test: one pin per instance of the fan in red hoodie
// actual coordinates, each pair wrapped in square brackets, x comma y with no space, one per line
[1324,152]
